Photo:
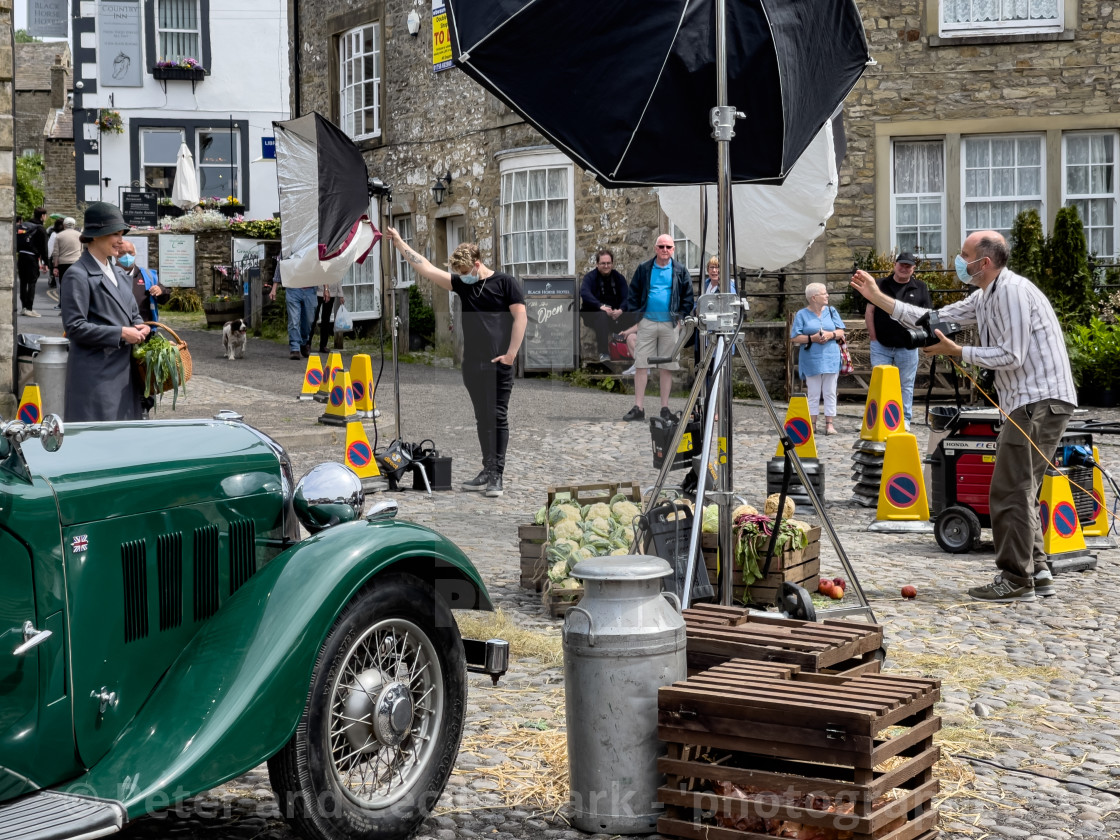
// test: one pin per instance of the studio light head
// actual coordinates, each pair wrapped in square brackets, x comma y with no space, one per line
[378,189]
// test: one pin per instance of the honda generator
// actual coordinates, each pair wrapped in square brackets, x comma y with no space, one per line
[961,465]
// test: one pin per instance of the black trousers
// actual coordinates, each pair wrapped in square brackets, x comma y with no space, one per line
[323,315]
[490,385]
[28,276]
[604,325]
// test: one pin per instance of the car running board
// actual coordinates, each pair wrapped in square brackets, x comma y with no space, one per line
[49,815]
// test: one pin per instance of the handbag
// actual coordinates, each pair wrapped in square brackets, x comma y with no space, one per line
[846,365]
[343,320]
[617,349]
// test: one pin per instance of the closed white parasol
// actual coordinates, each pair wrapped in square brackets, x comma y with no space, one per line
[184,192]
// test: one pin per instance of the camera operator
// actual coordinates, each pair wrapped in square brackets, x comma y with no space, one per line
[1021,341]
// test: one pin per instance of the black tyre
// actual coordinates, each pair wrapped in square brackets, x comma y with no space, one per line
[957,530]
[381,729]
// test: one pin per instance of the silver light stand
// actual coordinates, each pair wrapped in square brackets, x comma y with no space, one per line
[720,316]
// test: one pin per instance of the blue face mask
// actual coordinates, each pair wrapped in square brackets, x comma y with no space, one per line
[469,279]
[126,260]
[962,269]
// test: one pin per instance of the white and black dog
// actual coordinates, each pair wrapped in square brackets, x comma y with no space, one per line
[234,336]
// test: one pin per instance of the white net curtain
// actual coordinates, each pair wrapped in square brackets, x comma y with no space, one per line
[998,11]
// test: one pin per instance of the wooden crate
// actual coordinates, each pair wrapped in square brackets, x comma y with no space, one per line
[557,602]
[800,566]
[531,548]
[795,745]
[716,634]
[603,491]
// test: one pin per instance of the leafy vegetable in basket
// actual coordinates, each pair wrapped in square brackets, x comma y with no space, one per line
[160,363]
[753,532]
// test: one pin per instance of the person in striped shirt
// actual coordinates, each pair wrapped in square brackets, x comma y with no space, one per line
[1021,341]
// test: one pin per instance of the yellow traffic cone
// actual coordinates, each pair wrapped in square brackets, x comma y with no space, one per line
[882,414]
[903,505]
[1061,529]
[340,403]
[799,427]
[31,405]
[1099,526]
[312,378]
[334,363]
[359,457]
[361,379]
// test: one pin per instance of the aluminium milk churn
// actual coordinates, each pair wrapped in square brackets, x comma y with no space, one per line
[622,642]
[50,374]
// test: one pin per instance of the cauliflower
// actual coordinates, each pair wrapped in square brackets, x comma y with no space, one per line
[771,506]
[541,517]
[600,527]
[743,509]
[566,588]
[625,511]
[797,523]
[620,552]
[711,519]
[572,545]
[599,511]
[567,529]
[558,571]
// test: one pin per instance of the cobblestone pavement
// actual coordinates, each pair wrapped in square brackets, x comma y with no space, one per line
[1033,688]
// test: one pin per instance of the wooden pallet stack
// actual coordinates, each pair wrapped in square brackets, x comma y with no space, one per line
[717,634]
[762,749]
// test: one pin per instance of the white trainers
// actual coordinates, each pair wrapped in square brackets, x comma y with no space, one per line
[31,313]
[1044,583]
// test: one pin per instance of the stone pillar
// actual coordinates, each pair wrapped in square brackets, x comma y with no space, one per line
[8,398]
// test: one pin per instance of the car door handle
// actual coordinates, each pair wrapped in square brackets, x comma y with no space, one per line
[31,638]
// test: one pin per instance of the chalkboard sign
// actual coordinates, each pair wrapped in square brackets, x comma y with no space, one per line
[551,336]
[139,209]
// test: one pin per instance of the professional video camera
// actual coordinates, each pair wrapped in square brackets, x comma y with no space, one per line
[922,333]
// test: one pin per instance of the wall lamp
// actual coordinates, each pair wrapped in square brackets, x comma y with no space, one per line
[413,23]
[441,186]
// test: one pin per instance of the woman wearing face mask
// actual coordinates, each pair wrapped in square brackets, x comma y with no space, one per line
[494,321]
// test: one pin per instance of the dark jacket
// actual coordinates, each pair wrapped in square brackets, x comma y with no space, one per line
[100,380]
[596,291]
[681,298]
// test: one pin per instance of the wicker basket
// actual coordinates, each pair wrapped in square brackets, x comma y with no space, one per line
[184,356]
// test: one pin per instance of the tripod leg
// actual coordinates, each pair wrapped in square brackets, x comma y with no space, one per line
[814,500]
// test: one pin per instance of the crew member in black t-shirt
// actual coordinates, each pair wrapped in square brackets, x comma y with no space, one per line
[494,321]
[888,337]
[31,245]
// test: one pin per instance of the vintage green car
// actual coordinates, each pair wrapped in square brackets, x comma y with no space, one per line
[163,629]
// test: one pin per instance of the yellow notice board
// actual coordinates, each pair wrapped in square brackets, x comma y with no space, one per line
[441,38]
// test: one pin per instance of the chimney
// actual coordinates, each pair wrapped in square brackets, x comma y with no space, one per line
[59,82]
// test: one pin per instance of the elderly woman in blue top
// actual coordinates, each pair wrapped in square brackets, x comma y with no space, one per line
[815,330]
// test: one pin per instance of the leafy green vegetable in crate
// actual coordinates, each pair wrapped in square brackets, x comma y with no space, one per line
[541,517]
[600,527]
[711,519]
[753,538]
[559,512]
[161,362]
[558,571]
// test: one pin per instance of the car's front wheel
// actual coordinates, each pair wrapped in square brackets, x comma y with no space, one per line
[378,738]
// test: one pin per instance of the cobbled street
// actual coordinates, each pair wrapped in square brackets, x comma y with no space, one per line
[1031,691]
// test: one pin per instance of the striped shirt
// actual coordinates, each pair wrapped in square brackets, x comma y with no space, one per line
[1020,340]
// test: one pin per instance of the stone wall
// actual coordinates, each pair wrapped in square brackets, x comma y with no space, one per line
[31,117]
[59,190]
[8,398]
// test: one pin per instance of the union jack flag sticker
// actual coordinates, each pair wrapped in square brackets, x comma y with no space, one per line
[79,544]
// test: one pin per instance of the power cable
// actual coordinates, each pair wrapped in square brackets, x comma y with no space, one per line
[1066,780]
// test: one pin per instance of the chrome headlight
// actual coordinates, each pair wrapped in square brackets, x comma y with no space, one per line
[329,494]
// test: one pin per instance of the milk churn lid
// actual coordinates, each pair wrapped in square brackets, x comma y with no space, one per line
[627,567]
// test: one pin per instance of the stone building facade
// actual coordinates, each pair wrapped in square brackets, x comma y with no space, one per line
[973,113]
[8,401]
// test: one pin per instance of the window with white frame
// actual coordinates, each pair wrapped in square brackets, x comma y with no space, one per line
[361,286]
[918,198]
[1002,176]
[159,152]
[359,81]
[537,212]
[219,164]
[687,251]
[178,30]
[405,271]
[1090,184]
[986,17]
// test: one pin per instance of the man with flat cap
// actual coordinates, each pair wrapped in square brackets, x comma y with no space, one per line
[888,337]
[103,323]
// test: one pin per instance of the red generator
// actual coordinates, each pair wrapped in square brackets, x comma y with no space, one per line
[961,461]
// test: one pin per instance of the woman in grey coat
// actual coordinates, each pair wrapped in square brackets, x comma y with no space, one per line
[102,322]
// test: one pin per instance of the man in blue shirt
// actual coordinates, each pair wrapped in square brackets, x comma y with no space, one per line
[661,296]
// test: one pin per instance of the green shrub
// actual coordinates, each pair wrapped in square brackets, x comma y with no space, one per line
[29,184]
[421,316]
[184,300]
[1028,245]
[1065,278]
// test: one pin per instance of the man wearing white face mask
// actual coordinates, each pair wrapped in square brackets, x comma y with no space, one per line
[494,321]
[1021,340]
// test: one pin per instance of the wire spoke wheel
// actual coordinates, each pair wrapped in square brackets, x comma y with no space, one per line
[378,738]
[385,707]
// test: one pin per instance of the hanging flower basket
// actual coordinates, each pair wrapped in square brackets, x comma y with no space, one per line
[189,74]
[110,122]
